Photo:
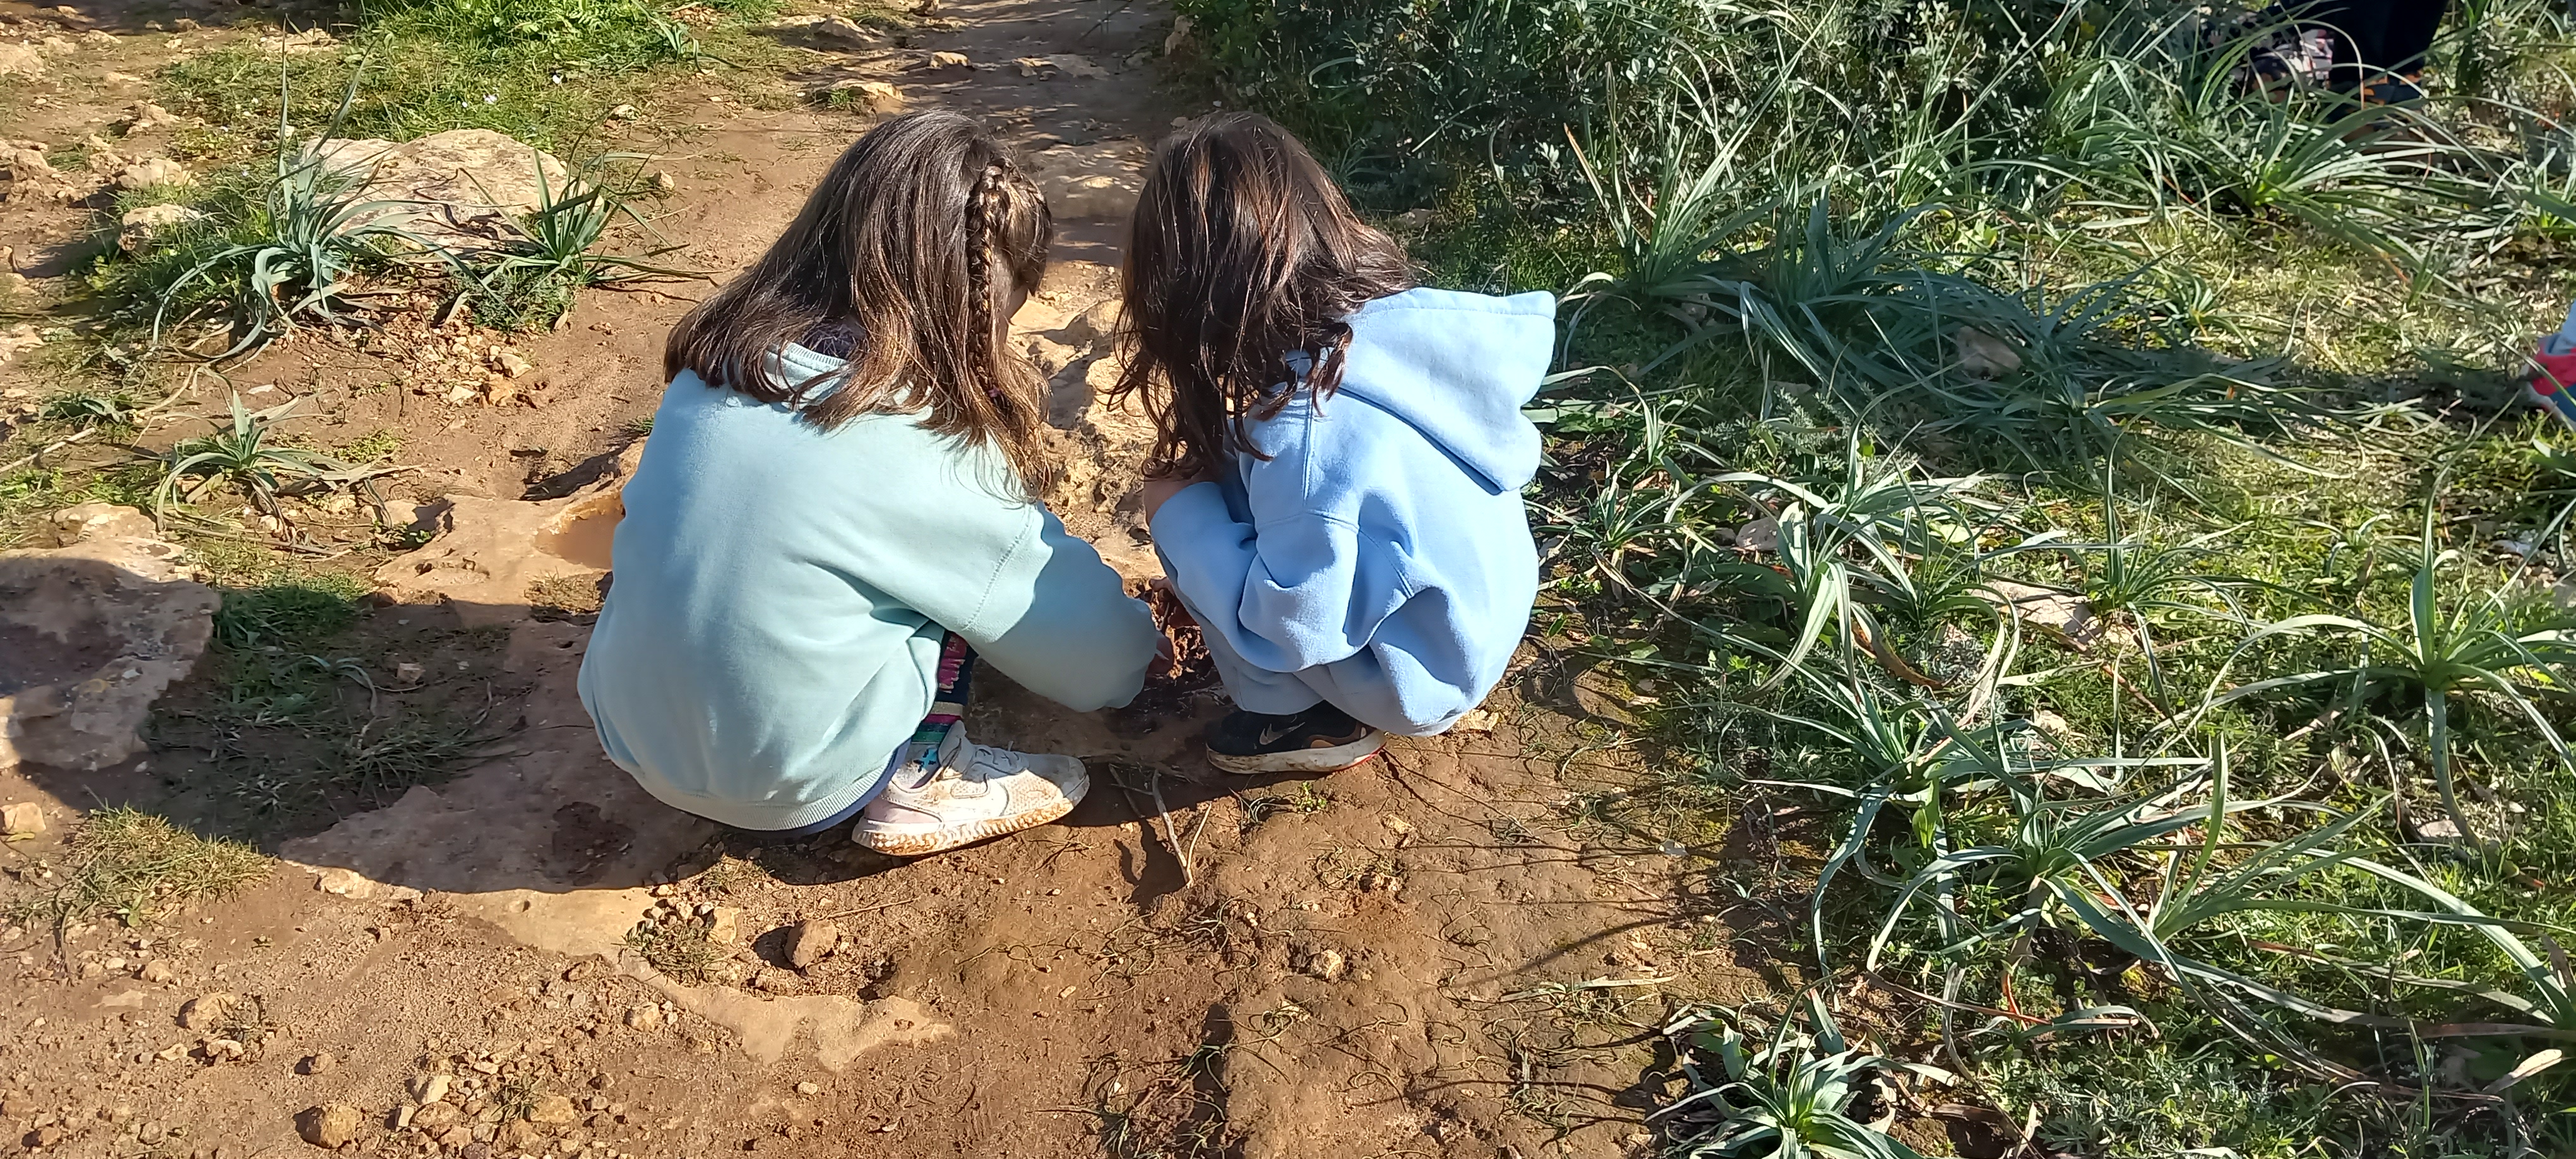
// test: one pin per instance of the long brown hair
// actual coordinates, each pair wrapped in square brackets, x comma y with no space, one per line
[1242,252]
[906,252]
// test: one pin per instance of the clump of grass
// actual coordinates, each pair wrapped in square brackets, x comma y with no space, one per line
[382,759]
[565,596]
[300,611]
[134,866]
[681,947]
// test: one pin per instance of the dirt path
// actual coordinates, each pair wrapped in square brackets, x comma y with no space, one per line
[1373,964]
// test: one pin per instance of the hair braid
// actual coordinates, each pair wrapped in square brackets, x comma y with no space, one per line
[984,222]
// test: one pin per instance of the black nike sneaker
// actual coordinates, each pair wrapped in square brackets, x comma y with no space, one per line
[1321,739]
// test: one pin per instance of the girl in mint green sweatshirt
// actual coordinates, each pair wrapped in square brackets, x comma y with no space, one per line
[833,521]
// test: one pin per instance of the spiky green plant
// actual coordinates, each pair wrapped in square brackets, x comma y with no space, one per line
[244,455]
[531,278]
[2507,642]
[298,251]
[1791,1096]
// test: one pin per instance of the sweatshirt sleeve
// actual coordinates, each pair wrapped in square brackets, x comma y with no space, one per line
[1288,594]
[1059,621]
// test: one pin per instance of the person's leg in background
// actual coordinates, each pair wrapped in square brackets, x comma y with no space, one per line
[2407,35]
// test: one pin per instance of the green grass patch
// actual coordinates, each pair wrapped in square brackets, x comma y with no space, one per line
[134,866]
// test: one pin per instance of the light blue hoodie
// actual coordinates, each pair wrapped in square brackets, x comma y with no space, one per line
[773,629]
[1379,558]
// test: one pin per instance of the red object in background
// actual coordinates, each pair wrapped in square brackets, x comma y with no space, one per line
[2561,367]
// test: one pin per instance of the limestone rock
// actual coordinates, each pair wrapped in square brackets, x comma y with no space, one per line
[875,96]
[24,160]
[137,229]
[844,31]
[1097,181]
[553,1111]
[91,631]
[1061,64]
[205,1010]
[23,819]
[146,115]
[489,552]
[331,1125]
[463,188]
[809,941]
[947,60]
[1095,325]
[21,60]
[19,339]
[1323,962]
[152,171]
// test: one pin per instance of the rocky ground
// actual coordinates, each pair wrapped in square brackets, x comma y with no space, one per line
[1463,949]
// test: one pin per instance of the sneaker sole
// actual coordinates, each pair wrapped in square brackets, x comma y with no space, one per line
[922,841]
[1331,760]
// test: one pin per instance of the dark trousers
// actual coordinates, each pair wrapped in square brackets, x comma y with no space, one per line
[2374,38]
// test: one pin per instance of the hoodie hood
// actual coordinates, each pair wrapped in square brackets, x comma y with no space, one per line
[1458,368]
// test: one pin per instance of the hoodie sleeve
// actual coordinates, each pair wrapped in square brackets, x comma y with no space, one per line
[1059,622]
[1288,593]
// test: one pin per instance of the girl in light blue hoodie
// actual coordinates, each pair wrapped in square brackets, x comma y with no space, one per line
[833,521]
[1336,477]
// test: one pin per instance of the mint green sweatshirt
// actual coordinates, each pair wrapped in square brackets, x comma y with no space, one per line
[772,631]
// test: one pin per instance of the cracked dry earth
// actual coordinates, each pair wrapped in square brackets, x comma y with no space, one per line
[1383,962]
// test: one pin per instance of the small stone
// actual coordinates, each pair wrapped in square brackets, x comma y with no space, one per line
[430,1088]
[624,113]
[434,1116]
[810,941]
[205,1010]
[156,972]
[644,1017]
[949,60]
[146,115]
[1983,355]
[844,30]
[320,1063]
[330,1125]
[20,60]
[663,183]
[153,171]
[809,1089]
[873,96]
[344,882]
[553,1111]
[508,362]
[724,924]
[1324,962]
[23,819]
